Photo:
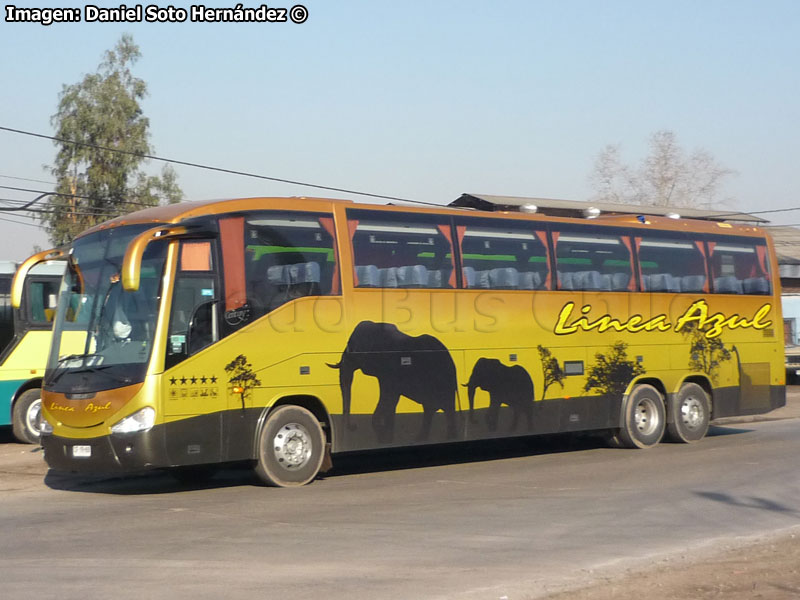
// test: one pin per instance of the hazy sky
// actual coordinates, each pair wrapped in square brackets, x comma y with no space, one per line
[429,99]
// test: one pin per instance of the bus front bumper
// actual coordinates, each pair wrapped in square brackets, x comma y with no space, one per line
[123,453]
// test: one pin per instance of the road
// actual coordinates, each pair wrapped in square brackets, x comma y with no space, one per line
[473,522]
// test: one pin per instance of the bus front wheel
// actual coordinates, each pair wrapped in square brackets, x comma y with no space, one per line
[291,447]
[644,418]
[27,416]
[690,409]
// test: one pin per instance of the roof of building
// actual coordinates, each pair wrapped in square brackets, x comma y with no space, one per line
[576,208]
[787,248]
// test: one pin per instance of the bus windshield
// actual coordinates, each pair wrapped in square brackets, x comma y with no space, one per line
[103,335]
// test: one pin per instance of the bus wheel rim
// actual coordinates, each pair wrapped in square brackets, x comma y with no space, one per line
[646,416]
[33,418]
[692,413]
[292,446]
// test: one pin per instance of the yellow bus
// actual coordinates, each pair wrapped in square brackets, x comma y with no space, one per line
[283,331]
[25,335]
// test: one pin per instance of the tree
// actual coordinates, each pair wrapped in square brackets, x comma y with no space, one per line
[612,372]
[551,370]
[705,355]
[666,177]
[242,376]
[101,179]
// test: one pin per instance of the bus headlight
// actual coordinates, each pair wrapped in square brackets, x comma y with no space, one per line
[141,420]
[45,428]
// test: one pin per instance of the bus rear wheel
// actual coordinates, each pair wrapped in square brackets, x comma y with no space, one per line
[291,447]
[27,418]
[644,418]
[690,410]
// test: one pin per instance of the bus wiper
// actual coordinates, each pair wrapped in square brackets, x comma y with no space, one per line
[60,369]
[98,368]
[64,359]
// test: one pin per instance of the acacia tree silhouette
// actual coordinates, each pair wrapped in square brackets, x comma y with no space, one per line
[551,370]
[242,375]
[705,354]
[612,372]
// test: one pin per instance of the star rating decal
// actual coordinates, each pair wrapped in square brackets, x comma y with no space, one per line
[192,380]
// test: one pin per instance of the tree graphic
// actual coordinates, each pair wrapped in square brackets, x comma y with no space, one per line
[705,354]
[242,376]
[612,372]
[551,369]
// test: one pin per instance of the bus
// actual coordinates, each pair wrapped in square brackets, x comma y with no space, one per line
[284,331]
[25,334]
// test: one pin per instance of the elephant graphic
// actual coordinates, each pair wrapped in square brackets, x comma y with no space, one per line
[511,386]
[419,368]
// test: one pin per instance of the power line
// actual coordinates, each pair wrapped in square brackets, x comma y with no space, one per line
[7,220]
[17,189]
[28,179]
[217,169]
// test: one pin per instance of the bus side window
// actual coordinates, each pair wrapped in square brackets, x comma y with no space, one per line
[739,267]
[392,251]
[503,255]
[593,261]
[672,264]
[288,256]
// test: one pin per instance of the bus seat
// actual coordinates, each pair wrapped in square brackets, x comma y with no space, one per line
[482,280]
[530,280]
[661,282]
[277,275]
[565,280]
[587,280]
[438,278]
[756,285]
[412,276]
[388,277]
[693,283]
[727,284]
[504,278]
[619,281]
[470,279]
[368,276]
[308,272]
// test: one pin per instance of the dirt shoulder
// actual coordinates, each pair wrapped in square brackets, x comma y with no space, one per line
[768,569]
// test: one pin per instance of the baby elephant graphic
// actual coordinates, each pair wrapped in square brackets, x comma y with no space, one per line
[511,386]
[419,368]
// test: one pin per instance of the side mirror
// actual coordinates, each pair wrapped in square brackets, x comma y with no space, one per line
[18,282]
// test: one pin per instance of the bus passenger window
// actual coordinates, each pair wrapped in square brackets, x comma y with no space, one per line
[739,268]
[593,261]
[407,252]
[503,255]
[288,256]
[672,265]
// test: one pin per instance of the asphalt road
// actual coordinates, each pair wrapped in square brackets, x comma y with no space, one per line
[472,522]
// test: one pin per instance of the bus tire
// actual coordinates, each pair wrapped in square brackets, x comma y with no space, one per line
[27,417]
[644,418]
[690,409]
[291,447]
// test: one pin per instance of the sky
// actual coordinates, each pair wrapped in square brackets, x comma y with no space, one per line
[427,100]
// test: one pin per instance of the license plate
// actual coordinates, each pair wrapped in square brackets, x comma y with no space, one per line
[797,371]
[81,451]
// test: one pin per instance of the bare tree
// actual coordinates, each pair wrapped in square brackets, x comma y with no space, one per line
[666,177]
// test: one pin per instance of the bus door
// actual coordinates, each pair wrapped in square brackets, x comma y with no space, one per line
[194,398]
